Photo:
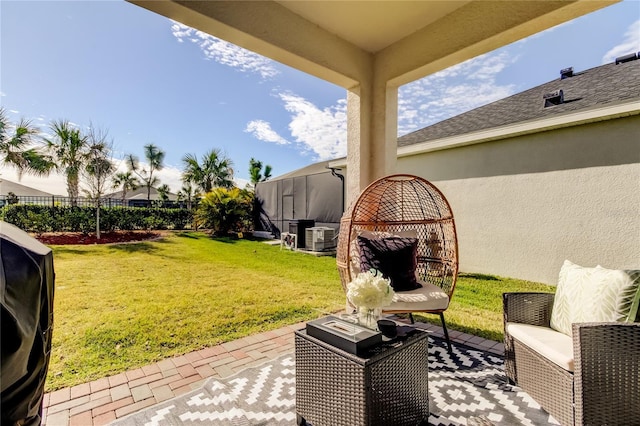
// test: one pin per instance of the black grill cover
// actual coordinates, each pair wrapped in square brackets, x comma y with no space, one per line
[26,293]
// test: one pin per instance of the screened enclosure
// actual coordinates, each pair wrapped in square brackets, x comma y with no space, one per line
[312,193]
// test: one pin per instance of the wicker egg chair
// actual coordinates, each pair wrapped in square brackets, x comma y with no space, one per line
[406,205]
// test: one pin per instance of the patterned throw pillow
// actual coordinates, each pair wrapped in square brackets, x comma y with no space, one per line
[394,257]
[594,295]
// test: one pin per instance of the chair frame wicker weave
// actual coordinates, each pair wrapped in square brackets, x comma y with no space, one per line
[604,387]
[398,204]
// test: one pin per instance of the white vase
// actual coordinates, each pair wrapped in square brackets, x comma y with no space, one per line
[368,317]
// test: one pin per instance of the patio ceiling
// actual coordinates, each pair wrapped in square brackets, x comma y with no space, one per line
[371,48]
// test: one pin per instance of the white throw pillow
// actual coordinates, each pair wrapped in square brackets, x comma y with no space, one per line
[594,295]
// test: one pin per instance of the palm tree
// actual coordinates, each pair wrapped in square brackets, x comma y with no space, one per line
[98,170]
[155,159]
[127,182]
[163,192]
[255,172]
[188,194]
[17,148]
[216,171]
[70,150]
[99,166]
[223,210]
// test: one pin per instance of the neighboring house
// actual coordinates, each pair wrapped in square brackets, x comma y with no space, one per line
[7,186]
[28,195]
[138,197]
[25,194]
[532,185]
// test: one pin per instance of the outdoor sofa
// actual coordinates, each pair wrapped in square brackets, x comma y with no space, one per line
[590,375]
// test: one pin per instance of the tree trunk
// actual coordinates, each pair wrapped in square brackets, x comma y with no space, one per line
[98,220]
[72,189]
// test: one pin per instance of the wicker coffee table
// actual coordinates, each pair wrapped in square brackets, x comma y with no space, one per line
[336,388]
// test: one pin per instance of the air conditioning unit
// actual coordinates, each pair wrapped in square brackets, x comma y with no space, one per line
[320,238]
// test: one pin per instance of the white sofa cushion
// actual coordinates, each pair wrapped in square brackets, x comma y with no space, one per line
[594,295]
[429,297]
[555,346]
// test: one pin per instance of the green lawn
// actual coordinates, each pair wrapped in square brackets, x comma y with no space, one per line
[119,307]
[476,306]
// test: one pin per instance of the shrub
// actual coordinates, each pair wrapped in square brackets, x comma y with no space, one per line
[35,218]
[223,210]
[12,198]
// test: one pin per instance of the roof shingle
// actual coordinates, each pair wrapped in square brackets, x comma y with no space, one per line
[597,86]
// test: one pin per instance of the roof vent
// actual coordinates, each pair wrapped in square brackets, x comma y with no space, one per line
[566,73]
[553,98]
[626,58]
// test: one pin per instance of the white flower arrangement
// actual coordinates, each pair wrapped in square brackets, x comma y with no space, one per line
[369,290]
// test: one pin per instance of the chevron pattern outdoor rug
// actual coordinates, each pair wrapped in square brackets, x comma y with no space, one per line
[466,384]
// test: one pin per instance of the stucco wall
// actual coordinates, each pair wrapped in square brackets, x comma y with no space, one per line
[524,205]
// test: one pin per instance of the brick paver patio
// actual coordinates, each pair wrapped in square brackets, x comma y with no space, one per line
[104,400]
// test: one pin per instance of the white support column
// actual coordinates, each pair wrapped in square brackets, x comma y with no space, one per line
[372,122]
[384,131]
[357,150]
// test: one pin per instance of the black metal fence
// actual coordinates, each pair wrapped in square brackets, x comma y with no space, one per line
[55,200]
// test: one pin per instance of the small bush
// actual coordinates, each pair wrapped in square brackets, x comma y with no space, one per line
[12,198]
[39,219]
[224,210]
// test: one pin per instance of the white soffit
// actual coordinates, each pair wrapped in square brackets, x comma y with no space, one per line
[372,25]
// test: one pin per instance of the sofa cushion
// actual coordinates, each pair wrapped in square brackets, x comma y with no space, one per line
[555,346]
[594,295]
[394,257]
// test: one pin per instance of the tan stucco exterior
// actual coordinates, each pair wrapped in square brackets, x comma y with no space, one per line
[524,204]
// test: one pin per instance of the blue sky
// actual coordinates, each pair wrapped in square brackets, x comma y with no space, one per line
[146,79]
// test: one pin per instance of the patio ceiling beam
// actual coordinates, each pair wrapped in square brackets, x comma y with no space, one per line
[272,30]
[474,29]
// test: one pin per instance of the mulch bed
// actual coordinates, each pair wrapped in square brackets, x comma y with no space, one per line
[64,238]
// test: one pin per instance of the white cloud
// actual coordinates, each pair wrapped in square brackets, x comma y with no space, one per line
[171,176]
[321,131]
[630,44]
[453,91]
[224,52]
[262,130]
